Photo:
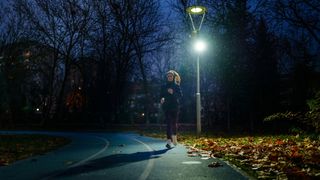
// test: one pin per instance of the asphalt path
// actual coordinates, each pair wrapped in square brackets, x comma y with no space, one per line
[96,156]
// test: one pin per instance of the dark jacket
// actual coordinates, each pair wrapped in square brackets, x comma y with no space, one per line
[171,101]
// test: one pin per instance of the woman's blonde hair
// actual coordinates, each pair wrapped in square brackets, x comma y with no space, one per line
[176,76]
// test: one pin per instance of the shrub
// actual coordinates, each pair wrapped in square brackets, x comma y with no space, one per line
[310,118]
[292,116]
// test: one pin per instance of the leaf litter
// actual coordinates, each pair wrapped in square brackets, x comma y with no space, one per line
[281,157]
[17,147]
[264,156]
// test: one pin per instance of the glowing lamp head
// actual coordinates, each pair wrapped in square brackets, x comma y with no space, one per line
[200,46]
[196,10]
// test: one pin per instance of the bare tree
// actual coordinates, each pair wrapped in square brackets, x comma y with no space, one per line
[134,29]
[301,14]
[149,35]
[58,25]
[12,69]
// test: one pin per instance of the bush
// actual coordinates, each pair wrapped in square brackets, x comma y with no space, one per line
[284,122]
[310,118]
[292,116]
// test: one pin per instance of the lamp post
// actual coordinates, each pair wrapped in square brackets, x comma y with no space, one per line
[199,47]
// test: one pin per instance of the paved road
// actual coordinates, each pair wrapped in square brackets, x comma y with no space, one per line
[111,156]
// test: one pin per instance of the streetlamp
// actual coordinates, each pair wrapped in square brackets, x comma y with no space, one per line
[199,47]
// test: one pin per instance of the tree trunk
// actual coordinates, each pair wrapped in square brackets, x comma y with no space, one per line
[58,113]
[49,104]
[146,91]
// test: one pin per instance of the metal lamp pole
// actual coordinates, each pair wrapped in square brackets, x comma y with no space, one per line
[195,11]
[198,97]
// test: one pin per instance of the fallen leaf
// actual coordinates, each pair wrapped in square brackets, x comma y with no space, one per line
[204,154]
[205,158]
[192,151]
[192,155]
[4,163]
[279,142]
[215,164]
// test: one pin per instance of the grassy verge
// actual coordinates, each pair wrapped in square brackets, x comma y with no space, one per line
[17,147]
[261,156]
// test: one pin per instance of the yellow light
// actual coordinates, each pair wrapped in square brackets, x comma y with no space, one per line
[196,10]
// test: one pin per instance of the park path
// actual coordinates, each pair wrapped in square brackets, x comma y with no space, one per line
[101,155]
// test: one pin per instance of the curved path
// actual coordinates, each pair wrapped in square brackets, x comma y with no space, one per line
[111,156]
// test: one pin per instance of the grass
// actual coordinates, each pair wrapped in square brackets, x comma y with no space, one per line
[261,156]
[17,147]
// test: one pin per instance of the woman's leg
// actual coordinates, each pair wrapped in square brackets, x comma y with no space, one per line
[168,121]
[174,121]
[174,126]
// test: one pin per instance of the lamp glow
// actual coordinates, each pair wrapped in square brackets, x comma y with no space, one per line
[196,10]
[200,46]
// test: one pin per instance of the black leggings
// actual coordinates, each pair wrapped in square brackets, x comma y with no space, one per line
[171,120]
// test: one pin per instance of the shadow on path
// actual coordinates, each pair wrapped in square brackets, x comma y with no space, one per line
[111,161]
